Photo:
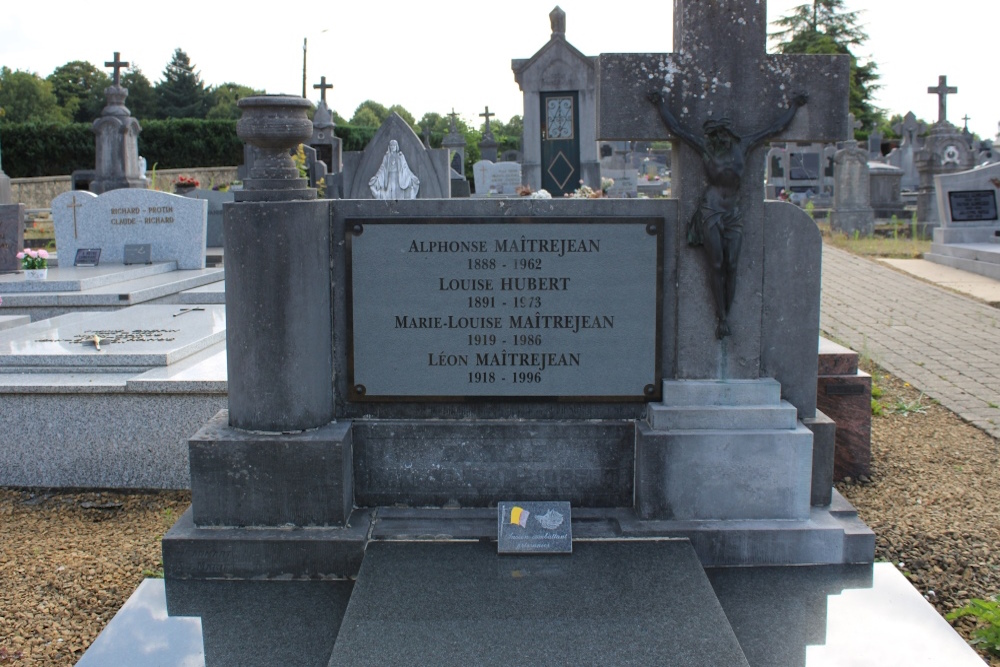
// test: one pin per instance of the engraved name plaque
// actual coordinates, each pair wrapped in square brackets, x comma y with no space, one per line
[541,308]
[973,205]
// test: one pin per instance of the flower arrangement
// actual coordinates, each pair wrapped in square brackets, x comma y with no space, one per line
[187,182]
[33,259]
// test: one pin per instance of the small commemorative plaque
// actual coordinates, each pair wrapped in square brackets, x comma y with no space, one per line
[973,205]
[534,527]
[138,253]
[87,257]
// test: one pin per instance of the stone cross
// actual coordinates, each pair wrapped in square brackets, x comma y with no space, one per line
[117,64]
[942,91]
[453,127]
[487,115]
[720,72]
[966,119]
[323,86]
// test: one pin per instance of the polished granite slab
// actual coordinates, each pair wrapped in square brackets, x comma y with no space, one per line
[138,337]
[459,604]
[76,279]
[211,293]
[818,616]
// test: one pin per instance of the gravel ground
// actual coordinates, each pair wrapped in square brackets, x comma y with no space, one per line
[69,561]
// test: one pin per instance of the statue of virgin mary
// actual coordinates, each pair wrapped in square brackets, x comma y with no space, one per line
[394,180]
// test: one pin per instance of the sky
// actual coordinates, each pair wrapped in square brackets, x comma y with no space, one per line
[442,54]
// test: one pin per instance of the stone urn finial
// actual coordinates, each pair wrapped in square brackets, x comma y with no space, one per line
[274,125]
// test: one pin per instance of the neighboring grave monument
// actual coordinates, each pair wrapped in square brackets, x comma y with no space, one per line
[488,145]
[395,165]
[323,140]
[454,142]
[118,165]
[969,211]
[559,142]
[173,226]
[902,157]
[852,212]
[945,151]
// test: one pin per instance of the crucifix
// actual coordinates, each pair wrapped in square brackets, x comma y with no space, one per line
[966,118]
[74,206]
[487,115]
[452,126]
[323,86]
[719,97]
[117,64]
[942,90]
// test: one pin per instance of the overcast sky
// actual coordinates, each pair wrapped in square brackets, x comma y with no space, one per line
[439,54]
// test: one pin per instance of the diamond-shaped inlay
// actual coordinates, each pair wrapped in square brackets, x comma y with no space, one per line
[561,170]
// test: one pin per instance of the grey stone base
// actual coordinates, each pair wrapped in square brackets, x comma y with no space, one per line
[982,258]
[190,552]
[480,463]
[824,432]
[849,221]
[240,478]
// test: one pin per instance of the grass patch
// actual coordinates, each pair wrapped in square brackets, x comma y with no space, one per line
[892,241]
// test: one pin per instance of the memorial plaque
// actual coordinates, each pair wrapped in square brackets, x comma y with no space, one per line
[87,257]
[973,205]
[535,527]
[138,253]
[541,308]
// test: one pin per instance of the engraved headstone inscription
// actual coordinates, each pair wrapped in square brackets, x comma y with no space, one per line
[476,309]
[973,206]
[534,527]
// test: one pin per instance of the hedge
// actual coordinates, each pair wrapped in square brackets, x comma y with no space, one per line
[47,149]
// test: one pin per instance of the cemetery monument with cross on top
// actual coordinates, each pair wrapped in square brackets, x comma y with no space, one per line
[719,73]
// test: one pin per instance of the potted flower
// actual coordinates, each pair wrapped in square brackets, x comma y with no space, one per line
[35,263]
[185,184]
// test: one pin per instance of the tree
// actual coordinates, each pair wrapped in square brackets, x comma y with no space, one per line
[181,94]
[369,114]
[141,100]
[25,97]
[79,88]
[826,27]
[222,100]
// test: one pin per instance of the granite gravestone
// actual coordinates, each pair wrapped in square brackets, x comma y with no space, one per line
[216,199]
[902,157]
[968,199]
[174,226]
[496,178]
[11,236]
[492,297]
[852,212]
[117,134]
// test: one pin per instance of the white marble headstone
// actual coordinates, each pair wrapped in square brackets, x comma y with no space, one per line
[174,226]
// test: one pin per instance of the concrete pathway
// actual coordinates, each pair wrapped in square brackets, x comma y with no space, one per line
[945,344]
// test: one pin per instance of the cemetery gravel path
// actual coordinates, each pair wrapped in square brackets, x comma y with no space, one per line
[945,344]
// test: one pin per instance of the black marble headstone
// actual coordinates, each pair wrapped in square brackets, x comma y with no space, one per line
[973,205]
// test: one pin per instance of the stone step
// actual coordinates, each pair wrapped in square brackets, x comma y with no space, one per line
[639,602]
[982,263]
[721,392]
[723,417]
